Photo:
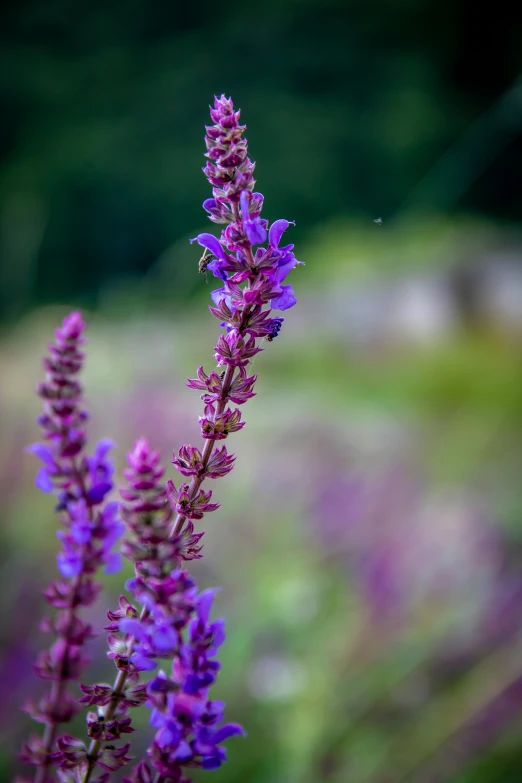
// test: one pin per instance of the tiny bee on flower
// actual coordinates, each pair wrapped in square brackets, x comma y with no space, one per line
[204,261]
[275,327]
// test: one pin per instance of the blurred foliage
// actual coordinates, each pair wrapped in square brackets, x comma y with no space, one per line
[350,105]
[369,545]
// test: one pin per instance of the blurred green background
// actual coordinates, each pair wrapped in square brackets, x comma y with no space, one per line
[369,543]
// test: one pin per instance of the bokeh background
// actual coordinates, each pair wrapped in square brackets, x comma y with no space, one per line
[369,543]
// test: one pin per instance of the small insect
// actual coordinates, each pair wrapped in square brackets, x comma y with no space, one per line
[275,327]
[378,221]
[205,260]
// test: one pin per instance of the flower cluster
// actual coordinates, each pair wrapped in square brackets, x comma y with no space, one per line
[253,285]
[172,621]
[91,529]
[237,256]
[172,625]
[176,628]
[148,516]
[155,553]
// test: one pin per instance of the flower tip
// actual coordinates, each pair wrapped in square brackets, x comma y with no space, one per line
[73,321]
[227,731]
[104,445]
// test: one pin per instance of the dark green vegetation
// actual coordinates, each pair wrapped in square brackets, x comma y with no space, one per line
[350,105]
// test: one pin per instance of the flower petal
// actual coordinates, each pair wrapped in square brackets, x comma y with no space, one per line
[205,601]
[142,663]
[212,762]
[283,269]
[218,629]
[69,565]
[98,492]
[132,626]
[43,481]
[243,200]
[218,295]
[113,563]
[277,229]
[255,231]
[216,268]
[183,752]
[43,452]
[209,204]
[210,242]
[102,448]
[229,730]
[285,300]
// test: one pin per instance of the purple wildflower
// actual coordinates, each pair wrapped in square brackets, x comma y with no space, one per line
[252,285]
[177,628]
[147,515]
[229,169]
[173,622]
[231,173]
[173,625]
[155,553]
[81,484]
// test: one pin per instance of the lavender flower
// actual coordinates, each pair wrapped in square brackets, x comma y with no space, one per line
[173,625]
[253,284]
[173,622]
[231,173]
[81,484]
[147,515]
[177,628]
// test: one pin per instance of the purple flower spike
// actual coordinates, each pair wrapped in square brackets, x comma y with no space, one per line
[136,641]
[182,714]
[168,622]
[178,628]
[253,276]
[80,483]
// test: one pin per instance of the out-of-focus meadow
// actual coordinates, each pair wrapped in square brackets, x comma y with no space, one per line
[369,542]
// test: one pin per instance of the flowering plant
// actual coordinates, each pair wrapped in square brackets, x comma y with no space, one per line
[168,619]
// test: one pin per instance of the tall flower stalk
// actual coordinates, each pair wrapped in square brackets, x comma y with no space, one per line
[90,530]
[173,622]
[175,629]
[252,278]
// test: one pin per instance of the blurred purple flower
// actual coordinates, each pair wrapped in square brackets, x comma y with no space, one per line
[81,484]
[178,628]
